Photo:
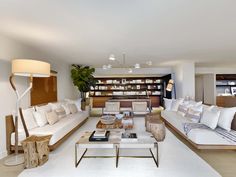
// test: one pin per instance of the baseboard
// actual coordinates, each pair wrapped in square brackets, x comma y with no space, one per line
[3,154]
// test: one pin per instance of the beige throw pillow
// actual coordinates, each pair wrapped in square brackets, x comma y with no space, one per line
[73,108]
[61,113]
[52,117]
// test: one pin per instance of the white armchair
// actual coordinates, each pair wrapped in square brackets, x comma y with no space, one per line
[111,108]
[140,108]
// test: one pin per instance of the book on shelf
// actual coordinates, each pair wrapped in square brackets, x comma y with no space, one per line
[129,137]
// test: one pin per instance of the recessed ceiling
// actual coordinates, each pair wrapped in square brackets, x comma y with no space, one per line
[88,31]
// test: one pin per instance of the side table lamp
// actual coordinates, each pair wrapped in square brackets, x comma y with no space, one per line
[26,68]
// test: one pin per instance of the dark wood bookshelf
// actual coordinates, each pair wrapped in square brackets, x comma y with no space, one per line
[141,87]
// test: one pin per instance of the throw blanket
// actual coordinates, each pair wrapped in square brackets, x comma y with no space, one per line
[231,135]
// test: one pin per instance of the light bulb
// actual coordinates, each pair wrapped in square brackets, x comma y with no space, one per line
[137,66]
[112,57]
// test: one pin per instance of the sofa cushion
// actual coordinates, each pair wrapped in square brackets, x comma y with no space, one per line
[77,102]
[175,119]
[195,113]
[175,104]
[66,108]
[210,118]
[61,113]
[226,117]
[52,117]
[55,106]
[40,118]
[208,137]
[167,104]
[73,108]
[28,118]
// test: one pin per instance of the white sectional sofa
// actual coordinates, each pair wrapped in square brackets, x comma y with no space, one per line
[59,130]
[198,137]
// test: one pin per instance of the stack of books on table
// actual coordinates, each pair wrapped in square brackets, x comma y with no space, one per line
[129,137]
[99,135]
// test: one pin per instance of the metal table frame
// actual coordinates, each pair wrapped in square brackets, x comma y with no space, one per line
[117,156]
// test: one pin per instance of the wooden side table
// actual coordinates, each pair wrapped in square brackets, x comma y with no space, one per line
[36,150]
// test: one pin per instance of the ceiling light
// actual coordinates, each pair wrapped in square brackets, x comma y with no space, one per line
[112,57]
[137,66]
[149,63]
[130,70]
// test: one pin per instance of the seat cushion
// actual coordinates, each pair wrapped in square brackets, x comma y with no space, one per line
[208,137]
[57,130]
[175,119]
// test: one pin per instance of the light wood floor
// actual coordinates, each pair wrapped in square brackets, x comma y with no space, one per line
[222,161]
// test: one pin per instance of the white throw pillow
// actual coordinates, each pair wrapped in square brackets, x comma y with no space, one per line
[175,104]
[52,117]
[167,104]
[66,108]
[55,106]
[77,102]
[183,109]
[40,118]
[195,113]
[73,108]
[226,118]
[210,118]
[28,118]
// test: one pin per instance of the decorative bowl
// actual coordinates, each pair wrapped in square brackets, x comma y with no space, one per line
[119,116]
[108,119]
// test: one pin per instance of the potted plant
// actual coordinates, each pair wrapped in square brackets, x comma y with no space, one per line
[83,79]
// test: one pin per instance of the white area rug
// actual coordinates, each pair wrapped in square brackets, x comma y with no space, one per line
[175,160]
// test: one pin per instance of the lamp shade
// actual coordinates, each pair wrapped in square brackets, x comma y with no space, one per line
[34,68]
[170,85]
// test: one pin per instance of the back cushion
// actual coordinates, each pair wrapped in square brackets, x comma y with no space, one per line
[28,118]
[233,125]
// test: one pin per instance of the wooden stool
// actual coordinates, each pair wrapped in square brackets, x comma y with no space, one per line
[149,117]
[36,150]
[157,128]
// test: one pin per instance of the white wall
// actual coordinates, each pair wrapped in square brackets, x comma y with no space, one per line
[184,76]
[199,94]
[12,49]
[142,71]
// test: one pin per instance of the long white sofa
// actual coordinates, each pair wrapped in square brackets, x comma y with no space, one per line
[200,138]
[59,130]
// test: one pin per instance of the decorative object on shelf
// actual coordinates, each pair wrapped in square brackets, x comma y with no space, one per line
[83,79]
[26,68]
[123,64]
[171,86]
[233,90]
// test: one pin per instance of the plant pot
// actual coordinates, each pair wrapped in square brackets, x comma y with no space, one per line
[83,105]
[87,101]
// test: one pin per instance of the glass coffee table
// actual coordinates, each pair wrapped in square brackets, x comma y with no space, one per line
[144,141]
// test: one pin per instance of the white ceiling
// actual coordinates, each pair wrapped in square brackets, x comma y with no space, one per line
[87,31]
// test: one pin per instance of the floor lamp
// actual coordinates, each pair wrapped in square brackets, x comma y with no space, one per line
[26,68]
[170,86]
